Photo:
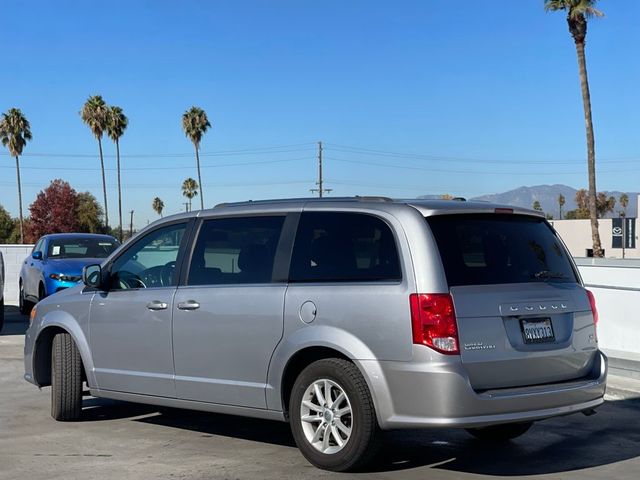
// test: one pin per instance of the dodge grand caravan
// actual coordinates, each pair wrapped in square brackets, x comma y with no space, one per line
[341,316]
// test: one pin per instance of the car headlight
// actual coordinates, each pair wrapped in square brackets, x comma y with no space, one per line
[60,277]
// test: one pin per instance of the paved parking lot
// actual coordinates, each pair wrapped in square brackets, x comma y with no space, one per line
[123,440]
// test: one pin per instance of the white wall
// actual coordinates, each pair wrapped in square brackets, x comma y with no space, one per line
[576,234]
[14,256]
[616,286]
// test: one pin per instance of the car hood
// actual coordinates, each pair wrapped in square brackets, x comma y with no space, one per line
[70,266]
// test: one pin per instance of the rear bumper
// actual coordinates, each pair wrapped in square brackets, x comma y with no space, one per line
[435,392]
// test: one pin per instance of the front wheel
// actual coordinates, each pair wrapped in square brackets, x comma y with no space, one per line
[66,379]
[25,306]
[332,416]
[500,433]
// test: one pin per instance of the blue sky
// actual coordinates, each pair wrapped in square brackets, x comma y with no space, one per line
[476,100]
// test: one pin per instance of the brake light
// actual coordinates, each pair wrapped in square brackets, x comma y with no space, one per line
[433,320]
[594,310]
[503,210]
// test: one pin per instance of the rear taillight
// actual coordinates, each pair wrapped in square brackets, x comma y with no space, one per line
[594,310]
[433,319]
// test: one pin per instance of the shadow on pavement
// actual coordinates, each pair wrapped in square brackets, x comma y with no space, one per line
[14,322]
[551,446]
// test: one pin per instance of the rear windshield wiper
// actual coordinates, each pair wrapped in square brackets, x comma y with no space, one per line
[546,274]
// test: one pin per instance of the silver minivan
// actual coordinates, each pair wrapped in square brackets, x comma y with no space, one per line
[343,317]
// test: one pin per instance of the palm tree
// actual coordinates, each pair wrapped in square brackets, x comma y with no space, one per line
[95,113]
[158,205]
[561,202]
[15,132]
[195,123]
[536,206]
[190,189]
[624,202]
[578,11]
[116,125]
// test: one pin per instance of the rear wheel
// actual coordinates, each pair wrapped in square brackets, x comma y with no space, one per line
[66,379]
[500,433]
[332,416]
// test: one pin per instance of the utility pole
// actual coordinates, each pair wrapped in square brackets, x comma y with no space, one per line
[321,190]
[131,225]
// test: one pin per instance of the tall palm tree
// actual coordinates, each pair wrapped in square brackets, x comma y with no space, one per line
[95,113]
[578,11]
[15,132]
[561,202]
[195,123]
[158,205]
[624,203]
[116,125]
[190,189]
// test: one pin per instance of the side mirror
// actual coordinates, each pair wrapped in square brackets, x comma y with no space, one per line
[36,255]
[92,276]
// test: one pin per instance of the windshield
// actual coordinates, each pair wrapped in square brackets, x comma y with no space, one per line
[81,247]
[483,249]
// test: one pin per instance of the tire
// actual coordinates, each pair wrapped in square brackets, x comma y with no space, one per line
[41,292]
[500,433]
[1,313]
[360,445]
[25,305]
[66,379]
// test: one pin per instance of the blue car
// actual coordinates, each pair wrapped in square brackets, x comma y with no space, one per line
[56,263]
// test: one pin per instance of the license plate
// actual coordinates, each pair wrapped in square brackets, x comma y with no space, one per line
[539,330]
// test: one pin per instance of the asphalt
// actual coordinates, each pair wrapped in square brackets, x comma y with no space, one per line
[124,440]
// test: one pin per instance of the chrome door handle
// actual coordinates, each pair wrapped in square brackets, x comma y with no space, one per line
[157,305]
[188,305]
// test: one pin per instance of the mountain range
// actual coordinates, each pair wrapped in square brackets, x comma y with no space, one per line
[547,195]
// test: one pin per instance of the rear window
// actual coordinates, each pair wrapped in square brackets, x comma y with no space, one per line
[484,249]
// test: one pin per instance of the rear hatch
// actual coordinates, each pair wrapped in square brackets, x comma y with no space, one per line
[523,317]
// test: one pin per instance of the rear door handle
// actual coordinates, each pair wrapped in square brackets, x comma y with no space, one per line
[157,305]
[188,305]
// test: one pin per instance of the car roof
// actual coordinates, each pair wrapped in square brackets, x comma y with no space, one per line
[426,207]
[76,235]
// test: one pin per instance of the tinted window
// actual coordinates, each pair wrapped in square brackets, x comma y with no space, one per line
[346,247]
[235,251]
[150,261]
[481,249]
[81,247]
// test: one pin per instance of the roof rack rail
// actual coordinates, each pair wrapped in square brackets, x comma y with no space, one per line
[357,198]
[459,199]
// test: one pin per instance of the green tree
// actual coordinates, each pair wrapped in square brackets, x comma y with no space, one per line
[537,206]
[158,205]
[195,124]
[189,189]
[15,132]
[116,125]
[578,11]
[561,202]
[95,113]
[7,224]
[89,213]
[624,203]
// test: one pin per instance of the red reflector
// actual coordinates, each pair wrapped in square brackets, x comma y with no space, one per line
[594,310]
[503,210]
[433,321]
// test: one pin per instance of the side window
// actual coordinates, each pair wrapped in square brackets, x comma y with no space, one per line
[343,247]
[150,262]
[235,251]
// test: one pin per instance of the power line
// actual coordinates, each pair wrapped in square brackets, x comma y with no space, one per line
[434,157]
[449,171]
[246,151]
